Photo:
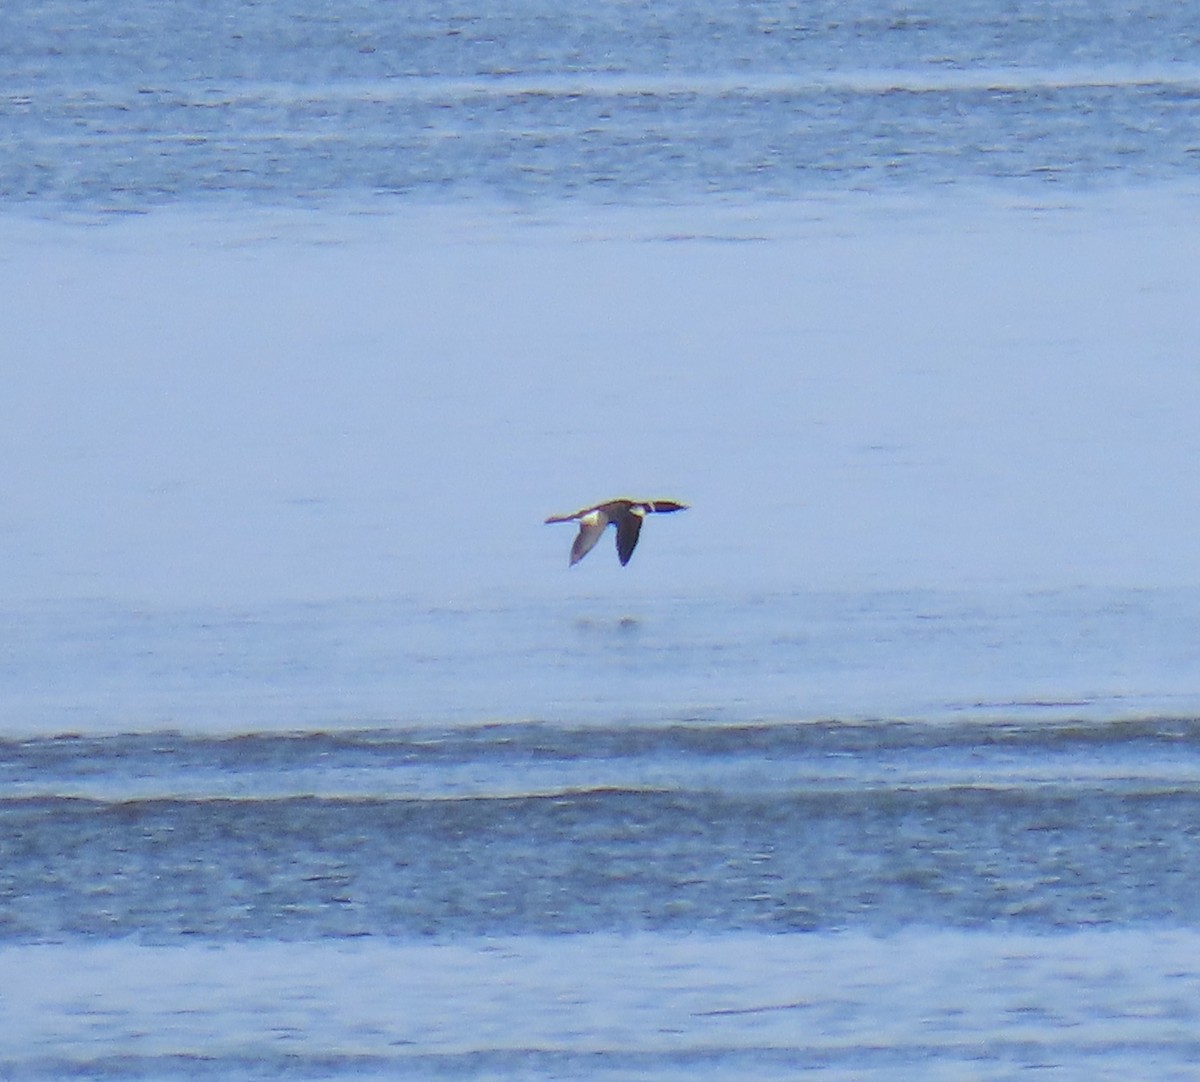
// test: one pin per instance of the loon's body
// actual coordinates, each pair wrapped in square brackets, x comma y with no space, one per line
[626,515]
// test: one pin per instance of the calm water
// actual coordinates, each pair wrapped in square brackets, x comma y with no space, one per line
[884,833]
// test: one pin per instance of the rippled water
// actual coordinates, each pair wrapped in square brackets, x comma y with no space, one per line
[539,829]
[539,900]
[641,102]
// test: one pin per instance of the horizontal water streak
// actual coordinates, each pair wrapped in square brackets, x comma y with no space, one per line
[940,1005]
[489,760]
[601,84]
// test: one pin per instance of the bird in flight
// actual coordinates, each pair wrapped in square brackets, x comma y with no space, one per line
[626,515]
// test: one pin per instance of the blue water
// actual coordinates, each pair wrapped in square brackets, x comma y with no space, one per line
[621,103]
[649,831]
[544,830]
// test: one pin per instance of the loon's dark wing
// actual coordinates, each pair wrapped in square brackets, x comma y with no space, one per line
[629,526]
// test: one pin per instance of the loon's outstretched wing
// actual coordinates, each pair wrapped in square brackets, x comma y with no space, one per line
[591,526]
[629,527]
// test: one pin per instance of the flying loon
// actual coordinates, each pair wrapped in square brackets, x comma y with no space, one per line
[627,515]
